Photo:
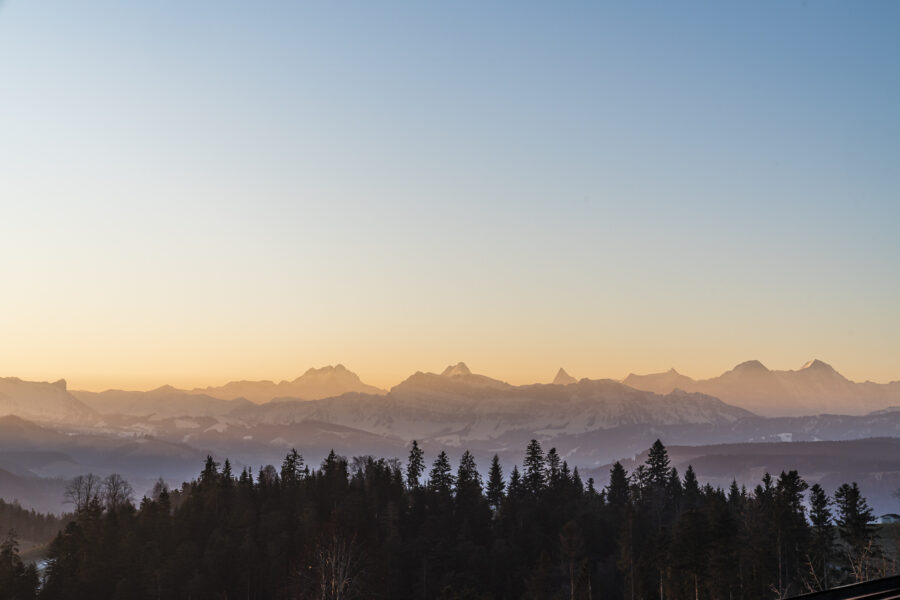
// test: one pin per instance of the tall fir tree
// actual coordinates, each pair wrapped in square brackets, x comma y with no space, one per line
[791,532]
[855,520]
[516,487]
[553,468]
[822,535]
[441,475]
[495,485]
[617,492]
[468,479]
[691,488]
[658,464]
[415,467]
[577,484]
[535,477]
[292,468]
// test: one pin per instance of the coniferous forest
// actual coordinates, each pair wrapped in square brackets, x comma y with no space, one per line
[375,528]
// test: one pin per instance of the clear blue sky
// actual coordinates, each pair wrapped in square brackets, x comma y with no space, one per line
[201,191]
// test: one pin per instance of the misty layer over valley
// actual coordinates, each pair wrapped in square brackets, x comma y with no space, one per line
[748,421]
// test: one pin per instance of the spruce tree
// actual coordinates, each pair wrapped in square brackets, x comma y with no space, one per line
[415,467]
[565,476]
[226,479]
[790,527]
[577,484]
[674,490]
[691,488]
[468,479]
[441,476]
[658,464]
[516,487]
[822,535]
[617,491]
[496,485]
[292,468]
[854,519]
[210,473]
[735,496]
[553,468]
[535,476]
[17,580]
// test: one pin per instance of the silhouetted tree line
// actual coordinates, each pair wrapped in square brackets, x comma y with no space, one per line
[28,524]
[369,528]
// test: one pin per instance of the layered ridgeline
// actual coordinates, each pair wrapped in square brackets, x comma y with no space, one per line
[51,432]
[314,384]
[36,460]
[163,402]
[168,401]
[816,388]
[43,401]
[459,406]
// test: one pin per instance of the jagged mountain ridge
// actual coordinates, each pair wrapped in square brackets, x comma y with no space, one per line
[314,384]
[460,406]
[563,378]
[815,388]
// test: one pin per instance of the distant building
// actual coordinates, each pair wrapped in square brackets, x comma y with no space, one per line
[890,518]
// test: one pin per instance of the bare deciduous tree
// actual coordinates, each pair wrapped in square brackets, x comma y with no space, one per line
[338,567]
[572,543]
[83,491]
[117,492]
[861,561]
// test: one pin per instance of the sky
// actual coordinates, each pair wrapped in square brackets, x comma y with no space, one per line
[192,193]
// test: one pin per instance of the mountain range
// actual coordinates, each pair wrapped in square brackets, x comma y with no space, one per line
[815,388]
[51,432]
[314,384]
[458,406]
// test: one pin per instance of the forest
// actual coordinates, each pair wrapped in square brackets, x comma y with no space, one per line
[375,528]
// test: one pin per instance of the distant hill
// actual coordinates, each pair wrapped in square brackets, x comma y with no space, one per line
[40,494]
[44,450]
[314,384]
[43,402]
[162,402]
[815,388]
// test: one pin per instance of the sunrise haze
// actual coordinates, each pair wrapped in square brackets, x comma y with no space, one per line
[198,193]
